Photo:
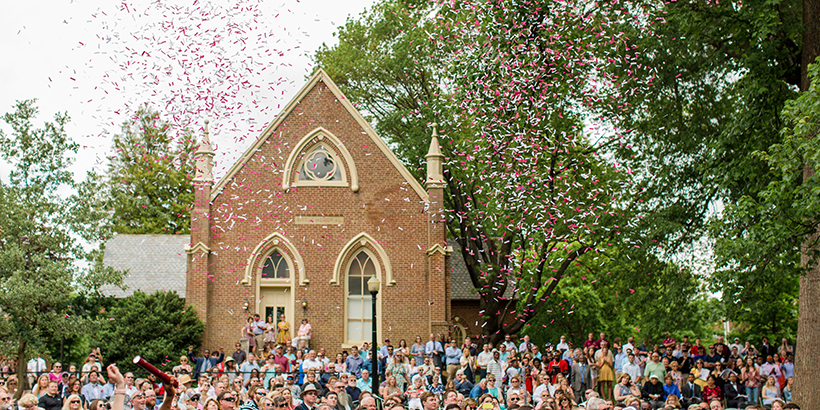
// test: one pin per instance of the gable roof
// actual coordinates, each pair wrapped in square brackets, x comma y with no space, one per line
[461,286]
[322,76]
[153,262]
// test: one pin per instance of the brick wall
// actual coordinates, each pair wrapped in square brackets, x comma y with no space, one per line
[253,205]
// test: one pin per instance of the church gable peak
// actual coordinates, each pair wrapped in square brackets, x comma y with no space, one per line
[306,142]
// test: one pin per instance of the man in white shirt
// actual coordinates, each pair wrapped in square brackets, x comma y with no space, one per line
[508,343]
[130,388]
[496,367]
[35,368]
[483,359]
[629,345]
[736,344]
[562,346]
[312,363]
[632,369]
[542,386]
[525,345]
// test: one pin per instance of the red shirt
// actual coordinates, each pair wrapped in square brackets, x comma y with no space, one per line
[562,366]
[283,361]
[710,393]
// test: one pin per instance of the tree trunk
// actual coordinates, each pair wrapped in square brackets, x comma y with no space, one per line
[806,393]
[22,380]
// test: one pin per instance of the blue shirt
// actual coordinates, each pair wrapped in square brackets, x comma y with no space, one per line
[259,327]
[364,385]
[432,346]
[619,361]
[92,391]
[673,389]
[354,364]
[246,369]
[108,390]
[477,391]
[788,369]
[453,355]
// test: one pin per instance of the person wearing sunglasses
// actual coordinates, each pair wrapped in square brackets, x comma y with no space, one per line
[280,403]
[226,400]
[51,400]
[5,400]
[138,400]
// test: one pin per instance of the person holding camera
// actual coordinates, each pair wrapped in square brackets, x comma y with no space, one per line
[557,366]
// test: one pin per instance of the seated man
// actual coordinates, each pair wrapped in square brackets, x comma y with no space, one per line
[653,392]
[463,385]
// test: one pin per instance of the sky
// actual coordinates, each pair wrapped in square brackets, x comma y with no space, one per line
[233,62]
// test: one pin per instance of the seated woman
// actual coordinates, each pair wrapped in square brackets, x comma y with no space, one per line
[182,368]
[787,391]
[304,333]
[712,390]
[770,391]
[672,401]
[621,390]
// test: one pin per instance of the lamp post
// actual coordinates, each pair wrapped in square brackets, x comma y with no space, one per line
[373,286]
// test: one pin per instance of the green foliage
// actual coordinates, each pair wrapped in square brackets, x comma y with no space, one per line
[528,197]
[39,229]
[721,74]
[149,178]
[766,231]
[632,295]
[74,348]
[157,327]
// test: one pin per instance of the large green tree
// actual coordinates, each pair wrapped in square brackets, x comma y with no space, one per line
[42,261]
[157,326]
[149,177]
[723,74]
[527,194]
[629,293]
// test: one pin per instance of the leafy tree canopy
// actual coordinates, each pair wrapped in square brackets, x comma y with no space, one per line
[158,327]
[149,177]
[512,85]
[39,236]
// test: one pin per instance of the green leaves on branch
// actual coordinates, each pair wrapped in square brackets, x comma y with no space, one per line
[760,237]
[43,265]
[148,182]
[158,327]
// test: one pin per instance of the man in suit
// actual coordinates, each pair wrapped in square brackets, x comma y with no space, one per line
[690,392]
[733,392]
[580,376]
[204,363]
[767,349]
[434,349]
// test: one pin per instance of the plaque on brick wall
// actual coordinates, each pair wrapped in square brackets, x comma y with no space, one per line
[319,220]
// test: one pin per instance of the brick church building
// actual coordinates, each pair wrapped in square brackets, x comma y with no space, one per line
[313,209]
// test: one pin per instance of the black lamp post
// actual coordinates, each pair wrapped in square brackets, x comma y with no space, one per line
[373,286]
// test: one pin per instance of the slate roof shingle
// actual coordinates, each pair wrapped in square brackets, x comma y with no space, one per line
[461,287]
[153,262]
